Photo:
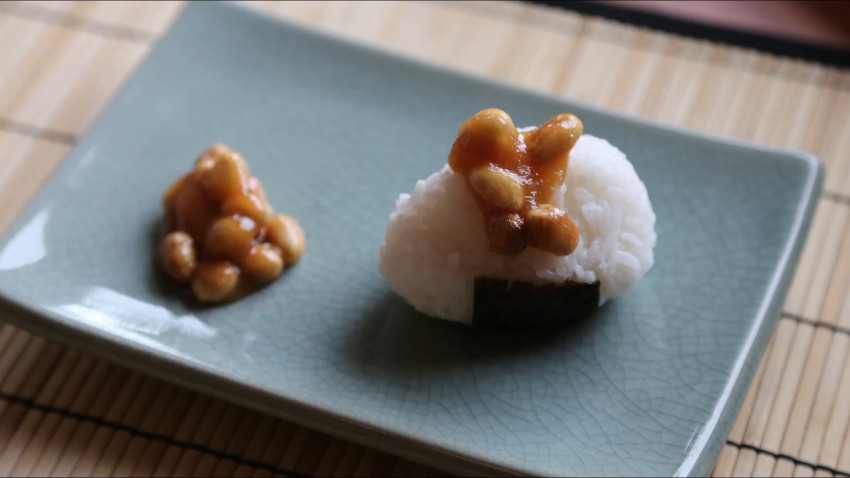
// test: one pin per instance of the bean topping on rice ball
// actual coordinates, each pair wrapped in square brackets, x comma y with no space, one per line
[521,226]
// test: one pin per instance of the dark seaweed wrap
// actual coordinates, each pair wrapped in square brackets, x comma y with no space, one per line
[503,302]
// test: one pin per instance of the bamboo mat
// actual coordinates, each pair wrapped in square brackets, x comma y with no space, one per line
[64,412]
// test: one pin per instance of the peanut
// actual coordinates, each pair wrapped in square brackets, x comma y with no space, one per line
[555,138]
[176,255]
[551,230]
[230,237]
[506,234]
[263,264]
[498,188]
[285,233]
[214,281]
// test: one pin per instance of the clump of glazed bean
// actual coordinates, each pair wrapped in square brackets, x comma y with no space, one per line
[514,176]
[221,231]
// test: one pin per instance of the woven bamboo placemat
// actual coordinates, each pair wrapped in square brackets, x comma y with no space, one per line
[64,412]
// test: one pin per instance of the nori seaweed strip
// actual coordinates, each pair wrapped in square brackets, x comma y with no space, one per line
[503,302]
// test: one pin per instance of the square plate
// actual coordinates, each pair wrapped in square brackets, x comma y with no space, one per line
[336,131]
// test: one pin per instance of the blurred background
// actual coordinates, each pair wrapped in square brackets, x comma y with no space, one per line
[814,30]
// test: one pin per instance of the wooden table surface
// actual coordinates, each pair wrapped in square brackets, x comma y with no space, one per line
[65,412]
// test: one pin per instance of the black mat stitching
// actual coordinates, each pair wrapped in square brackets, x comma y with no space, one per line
[36,132]
[74,21]
[796,461]
[143,434]
[816,323]
[837,197]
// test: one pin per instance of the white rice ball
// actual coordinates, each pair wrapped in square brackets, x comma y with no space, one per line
[436,246]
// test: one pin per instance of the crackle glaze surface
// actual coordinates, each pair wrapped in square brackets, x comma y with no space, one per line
[335,131]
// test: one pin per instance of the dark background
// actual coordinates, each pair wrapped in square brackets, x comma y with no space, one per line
[811,30]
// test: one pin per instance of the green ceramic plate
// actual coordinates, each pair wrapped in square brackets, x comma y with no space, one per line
[336,131]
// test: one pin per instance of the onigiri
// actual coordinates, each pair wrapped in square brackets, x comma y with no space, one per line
[522,226]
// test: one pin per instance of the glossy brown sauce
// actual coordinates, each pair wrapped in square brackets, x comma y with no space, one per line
[220,229]
[514,177]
